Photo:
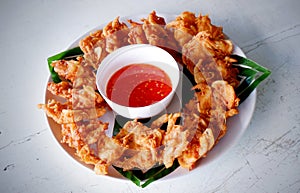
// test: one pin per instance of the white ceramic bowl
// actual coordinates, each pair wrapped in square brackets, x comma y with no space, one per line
[138,53]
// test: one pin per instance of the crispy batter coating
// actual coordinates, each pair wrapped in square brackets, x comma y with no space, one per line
[109,149]
[54,110]
[202,46]
[63,113]
[175,143]
[204,25]
[116,35]
[89,42]
[100,166]
[81,136]
[141,159]
[85,97]
[157,34]
[136,34]
[197,148]
[205,50]
[184,27]
[187,25]
[208,59]
[94,48]
[62,89]
[99,44]
[135,135]
[142,146]
[215,104]
[224,95]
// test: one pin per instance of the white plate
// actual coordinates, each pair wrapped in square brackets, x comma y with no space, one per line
[236,125]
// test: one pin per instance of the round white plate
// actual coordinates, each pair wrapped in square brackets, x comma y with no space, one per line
[236,125]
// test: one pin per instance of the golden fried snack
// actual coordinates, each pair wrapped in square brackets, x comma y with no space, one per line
[55,110]
[80,136]
[224,95]
[89,42]
[197,148]
[142,146]
[215,103]
[99,44]
[157,123]
[63,113]
[63,89]
[187,25]
[67,69]
[227,71]
[175,143]
[150,31]
[86,97]
[195,121]
[209,60]
[184,27]
[205,50]
[136,34]
[94,48]
[116,35]
[135,135]
[100,166]
[157,34]
[91,129]
[204,25]
[176,137]
[195,52]
[204,98]
[202,46]
[82,98]
[137,160]
[86,80]
[71,136]
[109,149]
[218,48]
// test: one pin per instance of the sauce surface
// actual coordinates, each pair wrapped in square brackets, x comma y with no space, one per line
[138,85]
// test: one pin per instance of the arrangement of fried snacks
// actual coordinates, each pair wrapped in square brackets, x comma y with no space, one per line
[198,46]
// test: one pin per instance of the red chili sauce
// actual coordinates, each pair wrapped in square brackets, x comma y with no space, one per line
[138,85]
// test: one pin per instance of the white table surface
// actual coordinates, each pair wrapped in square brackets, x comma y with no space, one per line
[266,158]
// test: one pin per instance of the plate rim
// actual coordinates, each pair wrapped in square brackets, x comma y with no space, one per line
[179,172]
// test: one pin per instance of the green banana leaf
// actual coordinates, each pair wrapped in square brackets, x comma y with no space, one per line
[252,75]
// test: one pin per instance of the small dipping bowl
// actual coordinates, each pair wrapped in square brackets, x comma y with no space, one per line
[137,54]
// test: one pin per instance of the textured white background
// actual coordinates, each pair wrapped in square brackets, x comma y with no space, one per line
[266,159]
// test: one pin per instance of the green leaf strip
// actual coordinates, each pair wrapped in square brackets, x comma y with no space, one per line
[252,73]
[160,174]
[129,175]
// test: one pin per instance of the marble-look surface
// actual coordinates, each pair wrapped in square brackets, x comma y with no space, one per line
[266,159]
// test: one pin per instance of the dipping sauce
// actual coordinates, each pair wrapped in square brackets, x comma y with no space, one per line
[138,85]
